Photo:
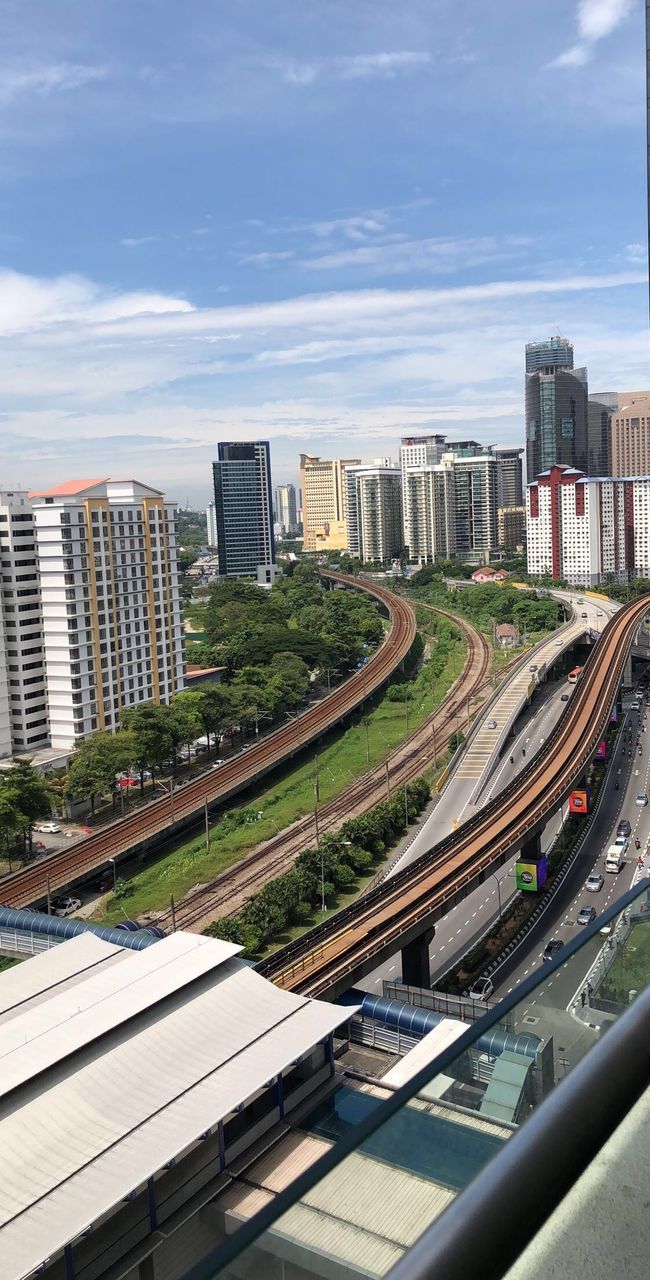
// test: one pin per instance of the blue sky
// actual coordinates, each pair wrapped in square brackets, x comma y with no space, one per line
[323,222]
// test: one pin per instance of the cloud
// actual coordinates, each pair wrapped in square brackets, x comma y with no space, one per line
[596,19]
[133,242]
[60,77]
[384,65]
[436,254]
[265,259]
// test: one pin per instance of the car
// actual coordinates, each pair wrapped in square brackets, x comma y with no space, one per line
[624,828]
[594,882]
[491,724]
[586,915]
[564,697]
[38,846]
[481,990]
[580,601]
[559,644]
[621,842]
[105,882]
[599,613]
[605,930]
[217,764]
[641,799]
[551,949]
[533,666]
[49,828]
[583,615]
[65,906]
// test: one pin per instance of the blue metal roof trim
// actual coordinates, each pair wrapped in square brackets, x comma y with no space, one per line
[415,1021]
[54,927]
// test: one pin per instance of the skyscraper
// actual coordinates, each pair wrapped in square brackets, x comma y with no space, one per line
[554,353]
[23,712]
[285,507]
[244,510]
[599,417]
[630,436]
[556,408]
[211,518]
[323,487]
[510,485]
[374,512]
[416,452]
[453,505]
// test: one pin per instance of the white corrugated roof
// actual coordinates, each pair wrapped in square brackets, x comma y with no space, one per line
[191,1033]
[428,1048]
[50,969]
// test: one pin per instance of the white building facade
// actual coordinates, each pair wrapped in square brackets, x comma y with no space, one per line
[415,453]
[378,502]
[211,519]
[23,696]
[588,529]
[110,601]
[453,506]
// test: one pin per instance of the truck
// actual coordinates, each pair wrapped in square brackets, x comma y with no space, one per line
[613,859]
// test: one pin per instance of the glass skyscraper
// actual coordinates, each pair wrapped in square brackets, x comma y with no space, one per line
[244,510]
[556,408]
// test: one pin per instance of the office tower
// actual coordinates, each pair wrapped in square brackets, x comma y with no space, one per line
[588,529]
[554,353]
[244,509]
[630,435]
[599,417]
[322,482]
[556,408]
[512,527]
[211,518]
[111,611]
[285,507]
[374,512]
[510,484]
[23,717]
[416,451]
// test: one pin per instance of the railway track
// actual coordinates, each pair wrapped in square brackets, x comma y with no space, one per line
[329,957]
[29,885]
[227,893]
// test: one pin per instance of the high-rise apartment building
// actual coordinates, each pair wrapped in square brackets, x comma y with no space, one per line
[112,629]
[374,512]
[285,507]
[512,528]
[586,529]
[556,408]
[510,481]
[630,436]
[416,452]
[453,505]
[211,518]
[24,713]
[554,353]
[322,483]
[599,417]
[244,510]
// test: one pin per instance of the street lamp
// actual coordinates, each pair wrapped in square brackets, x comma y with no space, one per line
[499,882]
[114,866]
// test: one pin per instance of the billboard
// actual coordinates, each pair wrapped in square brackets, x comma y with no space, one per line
[614,716]
[579,801]
[531,876]
[601,751]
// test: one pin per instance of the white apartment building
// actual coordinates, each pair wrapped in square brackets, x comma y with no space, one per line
[111,611]
[373,498]
[453,506]
[415,453]
[211,518]
[23,699]
[586,529]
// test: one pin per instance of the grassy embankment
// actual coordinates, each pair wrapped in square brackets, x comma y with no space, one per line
[342,756]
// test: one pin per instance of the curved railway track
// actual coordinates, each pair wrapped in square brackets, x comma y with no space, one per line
[228,891]
[329,956]
[29,885]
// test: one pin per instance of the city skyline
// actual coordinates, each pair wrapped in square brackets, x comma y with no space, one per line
[343,287]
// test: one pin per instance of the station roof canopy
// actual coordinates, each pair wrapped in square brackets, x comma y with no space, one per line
[113,1062]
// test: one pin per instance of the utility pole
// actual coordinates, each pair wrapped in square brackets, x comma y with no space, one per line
[316,780]
[406,804]
[387,780]
[171,796]
[433,744]
[365,725]
[49,897]
[207,827]
[406,705]
[173,911]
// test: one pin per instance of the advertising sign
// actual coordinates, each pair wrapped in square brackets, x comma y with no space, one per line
[614,716]
[601,751]
[579,801]
[531,876]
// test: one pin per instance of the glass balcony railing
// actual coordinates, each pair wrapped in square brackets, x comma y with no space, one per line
[411,1180]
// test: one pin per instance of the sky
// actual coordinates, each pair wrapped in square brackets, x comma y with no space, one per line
[326,223]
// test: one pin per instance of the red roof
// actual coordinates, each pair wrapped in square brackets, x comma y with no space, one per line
[70,489]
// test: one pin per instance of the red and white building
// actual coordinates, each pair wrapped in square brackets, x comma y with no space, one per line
[587,529]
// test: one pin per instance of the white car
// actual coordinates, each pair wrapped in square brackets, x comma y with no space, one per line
[49,828]
[481,990]
[641,800]
[491,724]
[558,644]
[65,906]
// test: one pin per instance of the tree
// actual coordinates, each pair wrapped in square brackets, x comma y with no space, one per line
[215,710]
[96,761]
[185,722]
[12,820]
[29,793]
[149,725]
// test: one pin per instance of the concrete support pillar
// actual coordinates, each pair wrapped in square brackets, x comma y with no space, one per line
[415,961]
[531,850]
[146,1268]
[627,674]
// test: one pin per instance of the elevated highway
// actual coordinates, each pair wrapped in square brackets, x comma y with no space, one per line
[400,913]
[29,886]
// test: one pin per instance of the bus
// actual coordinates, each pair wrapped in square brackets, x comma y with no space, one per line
[574,675]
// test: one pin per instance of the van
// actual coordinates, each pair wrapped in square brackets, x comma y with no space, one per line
[613,860]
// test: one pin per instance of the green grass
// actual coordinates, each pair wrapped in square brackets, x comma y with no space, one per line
[291,794]
[631,969]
